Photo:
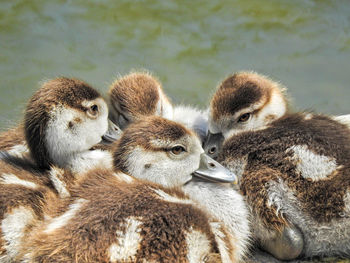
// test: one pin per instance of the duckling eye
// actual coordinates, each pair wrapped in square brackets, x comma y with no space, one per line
[93,110]
[177,150]
[244,117]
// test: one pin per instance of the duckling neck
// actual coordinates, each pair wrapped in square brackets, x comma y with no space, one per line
[85,161]
[226,205]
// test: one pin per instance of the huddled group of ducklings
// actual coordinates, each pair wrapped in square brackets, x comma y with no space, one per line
[138,179]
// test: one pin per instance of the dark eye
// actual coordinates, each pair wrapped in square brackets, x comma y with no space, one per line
[177,150]
[243,118]
[93,110]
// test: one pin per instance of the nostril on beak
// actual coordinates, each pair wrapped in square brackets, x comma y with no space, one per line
[211,165]
[212,150]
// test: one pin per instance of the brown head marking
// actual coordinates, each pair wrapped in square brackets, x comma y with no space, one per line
[239,91]
[136,94]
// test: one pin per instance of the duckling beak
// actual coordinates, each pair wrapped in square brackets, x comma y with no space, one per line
[213,143]
[113,133]
[211,170]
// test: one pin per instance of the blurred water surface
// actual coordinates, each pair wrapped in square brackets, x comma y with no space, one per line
[189,45]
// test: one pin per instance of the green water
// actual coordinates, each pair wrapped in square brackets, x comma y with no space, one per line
[189,45]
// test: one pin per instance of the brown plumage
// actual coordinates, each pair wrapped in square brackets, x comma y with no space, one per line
[23,198]
[269,149]
[135,96]
[113,202]
[294,167]
[12,137]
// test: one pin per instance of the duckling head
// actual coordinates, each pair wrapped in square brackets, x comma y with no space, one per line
[65,116]
[165,152]
[244,101]
[135,96]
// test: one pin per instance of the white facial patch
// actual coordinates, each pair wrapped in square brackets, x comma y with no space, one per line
[13,227]
[12,179]
[198,246]
[63,219]
[158,167]
[62,140]
[277,107]
[172,199]
[92,130]
[313,166]
[128,241]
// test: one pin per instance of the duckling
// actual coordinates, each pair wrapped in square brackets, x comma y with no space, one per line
[63,120]
[157,133]
[246,101]
[293,167]
[243,101]
[160,214]
[139,94]
[14,140]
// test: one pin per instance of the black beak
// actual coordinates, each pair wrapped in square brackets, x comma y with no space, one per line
[113,133]
[213,143]
[211,170]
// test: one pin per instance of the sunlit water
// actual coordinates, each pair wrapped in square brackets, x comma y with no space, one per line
[189,45]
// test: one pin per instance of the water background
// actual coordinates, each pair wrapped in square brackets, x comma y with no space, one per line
[189,45]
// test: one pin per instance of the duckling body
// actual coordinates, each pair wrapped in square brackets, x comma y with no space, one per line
[294,168]
[293,174]
[116,218]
